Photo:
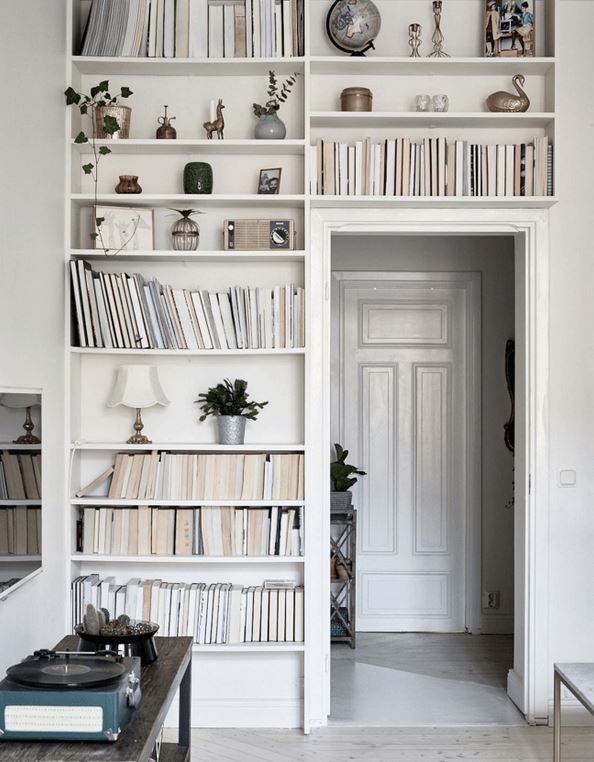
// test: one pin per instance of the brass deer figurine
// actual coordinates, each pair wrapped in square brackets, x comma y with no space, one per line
[218,125]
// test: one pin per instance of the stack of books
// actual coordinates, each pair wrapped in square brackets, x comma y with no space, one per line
[195,28]
[206,530]
[20,476]
[209,613]
[205,476]
[117,310]
[20,531]
[431,167]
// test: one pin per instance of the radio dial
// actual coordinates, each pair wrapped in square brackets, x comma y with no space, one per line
[280,236]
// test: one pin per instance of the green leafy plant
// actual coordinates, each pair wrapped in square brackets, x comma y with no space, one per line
[278,94]
[341,472]
[88,104]
[229,399]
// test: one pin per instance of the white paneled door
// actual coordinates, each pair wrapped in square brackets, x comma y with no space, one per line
[404,369]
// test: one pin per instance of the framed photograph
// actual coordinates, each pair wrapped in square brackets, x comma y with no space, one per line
[509,28]
[269,181]
[125,227]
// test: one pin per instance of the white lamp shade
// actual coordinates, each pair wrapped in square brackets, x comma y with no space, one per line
[137,386]
[19,401]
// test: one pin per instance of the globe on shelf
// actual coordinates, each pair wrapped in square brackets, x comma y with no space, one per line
[353,25]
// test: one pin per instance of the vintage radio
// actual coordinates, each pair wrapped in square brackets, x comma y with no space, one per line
[258,235]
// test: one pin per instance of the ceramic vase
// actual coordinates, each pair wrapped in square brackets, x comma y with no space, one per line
[270,127]
[128,184]
[198,177]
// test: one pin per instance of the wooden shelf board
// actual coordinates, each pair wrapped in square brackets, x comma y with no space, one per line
[186,447]
[181,146]
[209,200]
[249,648]
[428,119]
[16,503]
[445,67]
[150,67]
[436,202]
[98,502]
[191,256]
[102,559]
[187,352]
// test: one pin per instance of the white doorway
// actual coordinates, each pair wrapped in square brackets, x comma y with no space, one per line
[406,391]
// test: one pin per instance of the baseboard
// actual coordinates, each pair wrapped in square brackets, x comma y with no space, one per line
[515,690]
[247,713]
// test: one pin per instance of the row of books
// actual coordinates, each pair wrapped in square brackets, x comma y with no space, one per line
[195,28]
[20,476]
[203,476]
[117,310]
[431,167]
[20,531]
[210,613]
[206,531]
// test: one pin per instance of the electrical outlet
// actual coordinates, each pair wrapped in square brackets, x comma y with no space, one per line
[491,599]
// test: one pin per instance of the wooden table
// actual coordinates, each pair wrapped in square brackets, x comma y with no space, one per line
[578,678]
[159,683]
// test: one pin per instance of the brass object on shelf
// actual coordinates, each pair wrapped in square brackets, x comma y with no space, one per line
[510,103]
[29,437]
[138,438]
[437,38]
[356,99]
[122,114]
[166,131]
[414,39]
[217,125]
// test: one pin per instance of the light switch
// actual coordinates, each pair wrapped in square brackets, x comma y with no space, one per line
[567,477]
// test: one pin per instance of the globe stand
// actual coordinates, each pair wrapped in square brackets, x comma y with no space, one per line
[368,46]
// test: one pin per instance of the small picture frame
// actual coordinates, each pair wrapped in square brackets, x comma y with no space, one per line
[509,28]
[269,181]
[123,227]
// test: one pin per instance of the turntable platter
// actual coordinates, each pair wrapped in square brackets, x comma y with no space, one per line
[66,671]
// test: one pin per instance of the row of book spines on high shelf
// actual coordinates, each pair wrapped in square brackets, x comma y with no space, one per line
[195,28]
[118,310]
[203,531]
[431,167]
[210,613]
[202,476]
[20,531]
[20,476]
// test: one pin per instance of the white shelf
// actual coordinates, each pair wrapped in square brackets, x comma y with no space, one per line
[204,199]
[150,67]
[95,558]
[428,119]
[19,559]
[181,146]
[186,447]
[18,503]
[13,446]
[250,648]
[219,256]
[435,202]
[442,67]
[186,352]
[103,501]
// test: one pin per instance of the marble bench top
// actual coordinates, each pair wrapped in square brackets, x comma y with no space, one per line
[579,678]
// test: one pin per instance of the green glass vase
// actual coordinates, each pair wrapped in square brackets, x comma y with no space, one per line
[197,177]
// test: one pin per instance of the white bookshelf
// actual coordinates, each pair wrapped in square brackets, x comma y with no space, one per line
[313,111]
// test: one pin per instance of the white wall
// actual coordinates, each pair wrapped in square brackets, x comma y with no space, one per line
[494,259]
[31,286]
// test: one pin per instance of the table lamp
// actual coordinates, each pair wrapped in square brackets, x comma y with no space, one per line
[26,402]
[137,386]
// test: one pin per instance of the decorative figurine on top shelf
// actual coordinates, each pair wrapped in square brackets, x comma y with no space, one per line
[437,39]
[414,39]
[166,131]
[353,25]
[502,101]
[216,124]
[509,28]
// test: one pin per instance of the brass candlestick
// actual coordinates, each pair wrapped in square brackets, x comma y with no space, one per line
[28,438]
[414,39]
[138,438]
[437,38]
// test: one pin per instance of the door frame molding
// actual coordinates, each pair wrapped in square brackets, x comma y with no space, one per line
[470,282]
[529,683]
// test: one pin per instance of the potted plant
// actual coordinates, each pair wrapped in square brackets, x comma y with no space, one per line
[230,404]
[341,475]
[269,126]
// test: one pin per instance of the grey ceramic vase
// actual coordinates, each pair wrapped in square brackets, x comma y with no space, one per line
[270,127]
[340,501]
[231,429]
[197,177]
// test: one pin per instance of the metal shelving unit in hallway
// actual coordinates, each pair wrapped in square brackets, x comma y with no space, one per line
[343,547]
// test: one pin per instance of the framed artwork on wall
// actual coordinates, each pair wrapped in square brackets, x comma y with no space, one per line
[509,28]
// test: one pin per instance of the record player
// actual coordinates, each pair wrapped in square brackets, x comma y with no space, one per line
[69,696]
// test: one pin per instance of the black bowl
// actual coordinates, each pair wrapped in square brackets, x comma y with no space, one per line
[141,644]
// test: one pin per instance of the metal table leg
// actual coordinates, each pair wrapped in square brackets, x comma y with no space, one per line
[185,709]
[557,720]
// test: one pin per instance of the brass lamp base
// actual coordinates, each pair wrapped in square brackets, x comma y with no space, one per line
[138,438]
[28,438]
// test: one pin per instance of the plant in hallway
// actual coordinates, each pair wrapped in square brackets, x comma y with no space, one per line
[109,120]
[342,476]
[230,404]
[269,126]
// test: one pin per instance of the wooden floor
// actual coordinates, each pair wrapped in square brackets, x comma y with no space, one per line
[495,744]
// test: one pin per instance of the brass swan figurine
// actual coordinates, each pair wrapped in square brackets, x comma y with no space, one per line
[509,102]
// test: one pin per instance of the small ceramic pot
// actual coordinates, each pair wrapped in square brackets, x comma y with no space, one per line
[270,127]
[231,429]
[198,177]
[356,99]
[128,184]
